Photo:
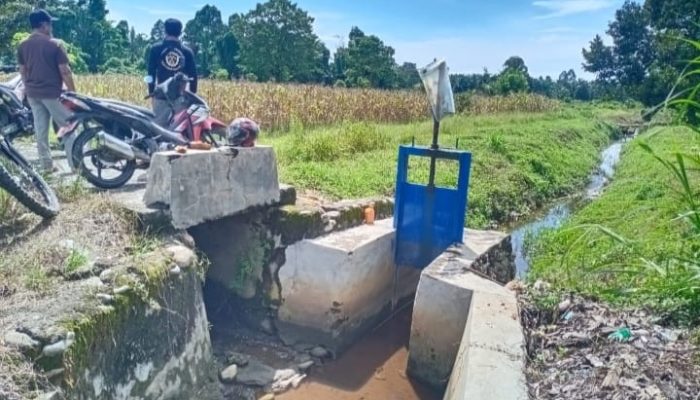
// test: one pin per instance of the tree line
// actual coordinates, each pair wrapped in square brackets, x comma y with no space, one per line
[274,41]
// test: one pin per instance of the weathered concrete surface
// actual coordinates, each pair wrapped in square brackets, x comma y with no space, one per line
[445,294]
[336,287]
[203,186]
[491,359]
[157,350]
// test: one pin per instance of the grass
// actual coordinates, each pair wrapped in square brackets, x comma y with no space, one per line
[627,247]
[520,161]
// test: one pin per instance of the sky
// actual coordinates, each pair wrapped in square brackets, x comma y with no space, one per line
[470,34]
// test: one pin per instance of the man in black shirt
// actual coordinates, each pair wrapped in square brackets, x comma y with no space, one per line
[164,61]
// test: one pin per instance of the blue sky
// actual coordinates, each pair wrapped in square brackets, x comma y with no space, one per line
[469,34]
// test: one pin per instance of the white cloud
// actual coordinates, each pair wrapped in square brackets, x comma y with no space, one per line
[165,13]
[562,8]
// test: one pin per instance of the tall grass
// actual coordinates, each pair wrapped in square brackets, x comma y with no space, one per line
[517,102]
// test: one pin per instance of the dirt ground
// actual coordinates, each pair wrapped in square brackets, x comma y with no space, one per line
[581,349]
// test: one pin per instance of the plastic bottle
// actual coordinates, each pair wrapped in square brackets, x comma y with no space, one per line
[370,214]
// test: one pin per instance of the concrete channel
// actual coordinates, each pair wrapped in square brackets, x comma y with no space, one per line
[302,298]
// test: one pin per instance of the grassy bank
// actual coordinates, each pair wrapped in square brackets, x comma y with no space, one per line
[520,161]
[638,260]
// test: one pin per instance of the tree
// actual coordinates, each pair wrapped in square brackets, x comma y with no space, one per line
[203,33]
[228,51]
[277,42]
[157,32]
[599,59]
[511,81]
[369,62]
[517,64]
[407,76]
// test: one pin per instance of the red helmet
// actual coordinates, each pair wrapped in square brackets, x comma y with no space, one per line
[243,132]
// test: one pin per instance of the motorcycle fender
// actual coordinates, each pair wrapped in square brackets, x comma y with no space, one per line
[213,123]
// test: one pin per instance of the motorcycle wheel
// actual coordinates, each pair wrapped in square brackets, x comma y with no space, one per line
[26,185]
[85,149]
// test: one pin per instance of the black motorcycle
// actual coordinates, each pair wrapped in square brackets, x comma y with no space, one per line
[17,176]
[108,140]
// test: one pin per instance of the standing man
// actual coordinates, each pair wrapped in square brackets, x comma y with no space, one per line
[43,64]
[164,61]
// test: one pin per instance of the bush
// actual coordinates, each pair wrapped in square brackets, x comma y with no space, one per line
[220,75]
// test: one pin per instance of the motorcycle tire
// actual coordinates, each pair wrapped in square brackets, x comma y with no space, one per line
[48,208]
[77,152]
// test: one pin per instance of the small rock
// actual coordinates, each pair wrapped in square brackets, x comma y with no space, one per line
[186,239]
[541,286]
[175,271]
[306,365]
[94,282]
[319,352]
[669,335]
[55,374]
[57,348]
[108,275]
[286,378]
[565,305]
[67,244]
[182,256]
[122,290]
[269,396]
[332,214]
[594,361]
[330,226]
[256,374]
[229,374]
[515,286]
[103,263]
[82,273]
[21,342]
[55,395]
[237,358]
[267,326]
[105,298]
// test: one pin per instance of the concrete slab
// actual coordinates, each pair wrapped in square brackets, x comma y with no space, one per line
[202,186]
[491,359]
[445,296]
[337,287]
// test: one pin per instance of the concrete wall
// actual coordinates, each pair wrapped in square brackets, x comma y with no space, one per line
[444,299]
[148,351]
[202,186]
[336,287]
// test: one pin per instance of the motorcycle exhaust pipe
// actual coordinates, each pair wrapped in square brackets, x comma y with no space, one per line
[120,147]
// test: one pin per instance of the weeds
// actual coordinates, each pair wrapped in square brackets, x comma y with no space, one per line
[76,259]
[37,279]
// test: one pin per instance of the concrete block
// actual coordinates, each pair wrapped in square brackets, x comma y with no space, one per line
[335,288]
[444,297]
[202,186]
[491,359]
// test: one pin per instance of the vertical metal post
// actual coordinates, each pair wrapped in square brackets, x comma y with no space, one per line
[434,146]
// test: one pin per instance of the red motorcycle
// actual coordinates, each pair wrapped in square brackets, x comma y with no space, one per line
[116,138]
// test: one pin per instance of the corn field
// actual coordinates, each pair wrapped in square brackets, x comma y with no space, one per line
[519,102]
[277,106]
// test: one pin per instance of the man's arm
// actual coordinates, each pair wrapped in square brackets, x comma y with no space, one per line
[22,67]
[152,68]
[64,67]
[191,70]
[67,76]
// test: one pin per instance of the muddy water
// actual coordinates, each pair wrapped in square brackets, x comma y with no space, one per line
[560,212]
[373,369]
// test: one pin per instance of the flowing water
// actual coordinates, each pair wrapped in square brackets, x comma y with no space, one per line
[560,212]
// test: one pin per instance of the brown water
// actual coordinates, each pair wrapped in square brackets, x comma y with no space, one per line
[373,369]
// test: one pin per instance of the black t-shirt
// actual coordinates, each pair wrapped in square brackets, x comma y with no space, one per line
[168,58]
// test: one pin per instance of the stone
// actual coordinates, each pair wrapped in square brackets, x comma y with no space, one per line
[83,272]
[565,305]
[108,275]
[103,263]
[122,290]
[182,256]
[306,365]
[56,349]
[332,215]
[319,352]
[175,271]
[269,396]
[21,342]
[234,183]
[93,283]
[256,374]
[55,395]
[105,298]
[286,378]
[267,326]
[237,358]
[55,374]
[228,375]
[288,195]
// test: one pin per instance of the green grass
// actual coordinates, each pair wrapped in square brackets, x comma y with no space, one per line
[626,246]
[75,260]
[520,161]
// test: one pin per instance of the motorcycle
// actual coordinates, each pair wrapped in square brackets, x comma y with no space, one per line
[17,176]
[118,138]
